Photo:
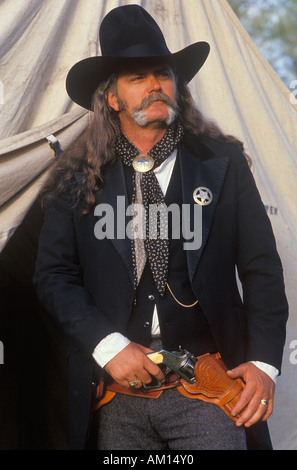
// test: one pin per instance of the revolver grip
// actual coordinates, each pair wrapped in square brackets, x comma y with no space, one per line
[156,357]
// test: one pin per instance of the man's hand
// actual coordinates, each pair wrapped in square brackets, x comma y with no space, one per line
[133,365]
[259,386]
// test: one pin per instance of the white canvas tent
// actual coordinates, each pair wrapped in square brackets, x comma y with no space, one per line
[41,39]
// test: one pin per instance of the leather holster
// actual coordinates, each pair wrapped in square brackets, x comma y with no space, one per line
[213,385]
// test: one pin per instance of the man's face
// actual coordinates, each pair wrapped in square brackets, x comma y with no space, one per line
[145,96]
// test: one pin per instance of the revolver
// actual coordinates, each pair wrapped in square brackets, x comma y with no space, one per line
[180,362]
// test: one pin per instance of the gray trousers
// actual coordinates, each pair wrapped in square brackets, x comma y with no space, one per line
[170,422]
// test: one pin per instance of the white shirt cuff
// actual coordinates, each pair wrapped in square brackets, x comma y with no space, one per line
[109,347]
[268,369]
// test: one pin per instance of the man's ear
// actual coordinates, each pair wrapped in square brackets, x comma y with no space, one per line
[112,100]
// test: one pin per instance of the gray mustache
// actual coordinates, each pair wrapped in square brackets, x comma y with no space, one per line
[156,97]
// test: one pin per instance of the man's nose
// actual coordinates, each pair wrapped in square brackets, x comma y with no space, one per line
[154,83]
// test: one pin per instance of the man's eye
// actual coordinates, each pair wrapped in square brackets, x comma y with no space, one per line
[136,78]
[164,74]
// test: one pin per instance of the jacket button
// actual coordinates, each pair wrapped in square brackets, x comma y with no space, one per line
[147,324]
[151,297]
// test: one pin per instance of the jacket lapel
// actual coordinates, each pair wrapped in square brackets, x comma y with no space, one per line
[114,196]
[197,172]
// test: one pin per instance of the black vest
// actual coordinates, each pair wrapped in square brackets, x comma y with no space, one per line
[180,326]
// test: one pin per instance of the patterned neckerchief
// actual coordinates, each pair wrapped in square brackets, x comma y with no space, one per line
[154,243]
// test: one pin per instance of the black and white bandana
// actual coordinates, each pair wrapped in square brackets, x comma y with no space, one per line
[154,245]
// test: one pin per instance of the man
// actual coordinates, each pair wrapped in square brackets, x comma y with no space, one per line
[121,293]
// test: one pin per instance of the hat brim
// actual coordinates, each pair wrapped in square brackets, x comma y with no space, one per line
[86,75]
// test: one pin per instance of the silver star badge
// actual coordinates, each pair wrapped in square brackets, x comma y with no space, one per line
[202,196]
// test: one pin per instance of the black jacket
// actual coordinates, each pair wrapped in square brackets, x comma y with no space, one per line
[86,284]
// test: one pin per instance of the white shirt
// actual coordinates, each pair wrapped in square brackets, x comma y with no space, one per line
[116,342]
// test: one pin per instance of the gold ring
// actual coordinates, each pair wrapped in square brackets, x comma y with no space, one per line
[264,402]
[134,383]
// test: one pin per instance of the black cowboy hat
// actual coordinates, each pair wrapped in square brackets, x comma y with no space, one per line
[128,33]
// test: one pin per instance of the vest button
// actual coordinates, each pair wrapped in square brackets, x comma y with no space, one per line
[151,297]
[147,324]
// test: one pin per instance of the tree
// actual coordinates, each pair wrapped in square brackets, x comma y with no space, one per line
[272,26]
